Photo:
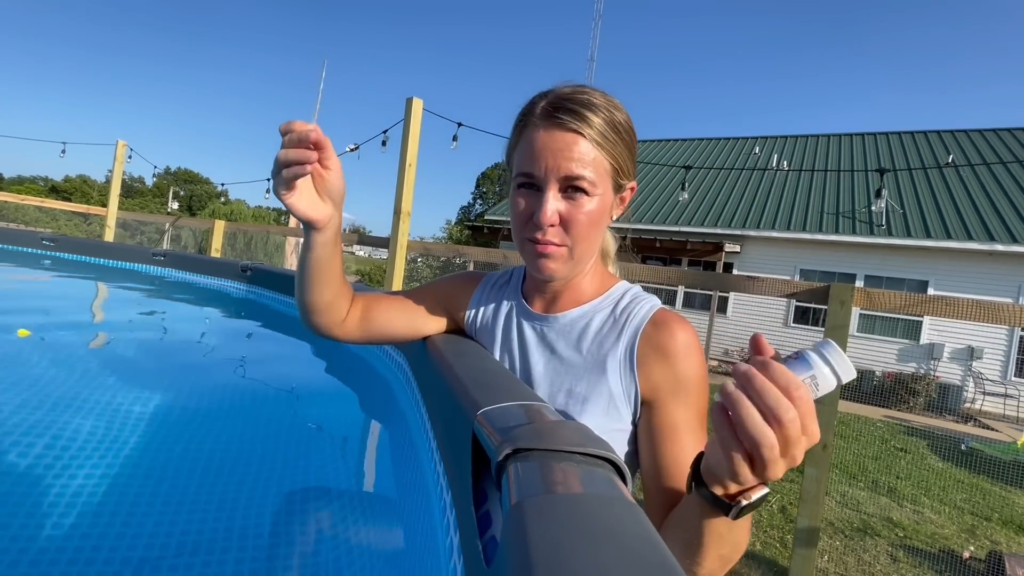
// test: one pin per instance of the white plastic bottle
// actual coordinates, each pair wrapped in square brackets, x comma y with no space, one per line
[822,367]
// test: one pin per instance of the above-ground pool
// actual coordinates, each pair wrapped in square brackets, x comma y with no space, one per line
[165,413]
[160,424]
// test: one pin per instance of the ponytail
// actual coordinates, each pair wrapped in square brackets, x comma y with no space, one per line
[609,251]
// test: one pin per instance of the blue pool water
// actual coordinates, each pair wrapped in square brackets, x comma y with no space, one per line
[160,423]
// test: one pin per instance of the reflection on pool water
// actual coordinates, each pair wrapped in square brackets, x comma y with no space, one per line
[155,424]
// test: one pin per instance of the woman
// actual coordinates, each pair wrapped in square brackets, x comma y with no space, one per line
[597,348]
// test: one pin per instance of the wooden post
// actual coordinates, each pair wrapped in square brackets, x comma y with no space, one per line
[402,217]
[217,238]
[818,461]
[714,308]
[292,246]
[114,198]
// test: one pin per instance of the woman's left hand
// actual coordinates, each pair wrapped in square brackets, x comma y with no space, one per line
[763,424]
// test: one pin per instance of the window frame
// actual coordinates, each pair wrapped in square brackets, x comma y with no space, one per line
[855,321]
[791,309]
[1016,344]
[680,290]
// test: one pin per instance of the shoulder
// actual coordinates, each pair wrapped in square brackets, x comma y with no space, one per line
[670,358]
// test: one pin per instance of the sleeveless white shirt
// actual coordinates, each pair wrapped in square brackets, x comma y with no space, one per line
[582,361]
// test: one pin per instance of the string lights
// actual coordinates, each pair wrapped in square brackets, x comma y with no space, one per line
[132,153]
[881,199]
[63,144]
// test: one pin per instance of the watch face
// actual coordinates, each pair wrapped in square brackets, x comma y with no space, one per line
[749,502]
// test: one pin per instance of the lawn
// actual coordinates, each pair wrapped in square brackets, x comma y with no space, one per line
[352,262]
[901,501]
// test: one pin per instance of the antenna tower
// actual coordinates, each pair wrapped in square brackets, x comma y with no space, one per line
[595,34]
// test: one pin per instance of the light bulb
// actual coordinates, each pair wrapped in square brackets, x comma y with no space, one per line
[384,143]
[128,160]
[63,150]
[684,192]
[881,197]
[266,195]
[455,137]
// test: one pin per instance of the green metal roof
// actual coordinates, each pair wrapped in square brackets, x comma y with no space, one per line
[959,204]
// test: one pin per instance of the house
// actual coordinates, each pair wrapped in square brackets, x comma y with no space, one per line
[948,219]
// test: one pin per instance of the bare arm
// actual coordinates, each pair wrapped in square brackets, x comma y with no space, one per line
[331,308]
[673,429]
[309,181]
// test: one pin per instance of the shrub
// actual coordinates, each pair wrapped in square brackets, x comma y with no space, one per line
[902,391]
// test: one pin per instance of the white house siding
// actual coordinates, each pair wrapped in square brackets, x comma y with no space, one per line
[970,274]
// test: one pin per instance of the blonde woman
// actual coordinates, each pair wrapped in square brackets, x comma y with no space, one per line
[598,349]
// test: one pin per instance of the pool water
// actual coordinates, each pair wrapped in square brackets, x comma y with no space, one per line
[157,423]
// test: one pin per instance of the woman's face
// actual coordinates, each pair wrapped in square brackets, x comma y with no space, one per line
[562,201]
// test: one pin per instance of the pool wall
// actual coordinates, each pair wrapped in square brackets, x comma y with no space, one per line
[565,506]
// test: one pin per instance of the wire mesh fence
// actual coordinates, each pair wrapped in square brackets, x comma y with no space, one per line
[254,245]
[161,231]
[926,474]
[53,220]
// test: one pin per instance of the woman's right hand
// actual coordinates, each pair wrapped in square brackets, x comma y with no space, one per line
[308,178]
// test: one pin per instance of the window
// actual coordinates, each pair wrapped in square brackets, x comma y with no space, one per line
[906,328]
[813,315]
[690,299]
[666,294]
[701,300]
[650,260]
[1018,358]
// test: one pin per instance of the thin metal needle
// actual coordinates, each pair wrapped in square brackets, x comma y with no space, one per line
[316,113]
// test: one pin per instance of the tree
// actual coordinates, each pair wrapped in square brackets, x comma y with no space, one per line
[356,228]
[373,274]
[490,189]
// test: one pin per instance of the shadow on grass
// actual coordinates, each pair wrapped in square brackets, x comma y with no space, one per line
[955,451]
[946,561]
[757,564]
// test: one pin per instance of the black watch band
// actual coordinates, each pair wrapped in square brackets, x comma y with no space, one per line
[734,510]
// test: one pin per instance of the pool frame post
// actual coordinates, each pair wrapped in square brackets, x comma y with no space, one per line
[402,216]
[114,198]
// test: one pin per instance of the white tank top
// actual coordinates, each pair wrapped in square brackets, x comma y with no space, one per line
[582,362]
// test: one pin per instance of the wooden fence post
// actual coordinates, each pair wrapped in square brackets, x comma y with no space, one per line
[402,217]
[216,238]
[713,312]
[114,198]
[818,461]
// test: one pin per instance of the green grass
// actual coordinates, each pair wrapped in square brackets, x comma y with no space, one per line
[352,262]
[900,501]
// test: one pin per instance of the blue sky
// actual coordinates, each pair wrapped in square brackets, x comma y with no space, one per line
[205,84]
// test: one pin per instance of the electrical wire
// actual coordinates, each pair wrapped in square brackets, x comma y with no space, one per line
[690,167]
[68,143]
[464,125]
[355,147]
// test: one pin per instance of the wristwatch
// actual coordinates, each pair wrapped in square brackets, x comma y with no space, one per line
[744,504]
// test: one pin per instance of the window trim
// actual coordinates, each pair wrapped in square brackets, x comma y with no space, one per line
[677,305]
[855,321]
[1015,347]
[728,306]
[855,324]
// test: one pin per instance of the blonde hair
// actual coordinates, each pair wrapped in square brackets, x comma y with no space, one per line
[599,118]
